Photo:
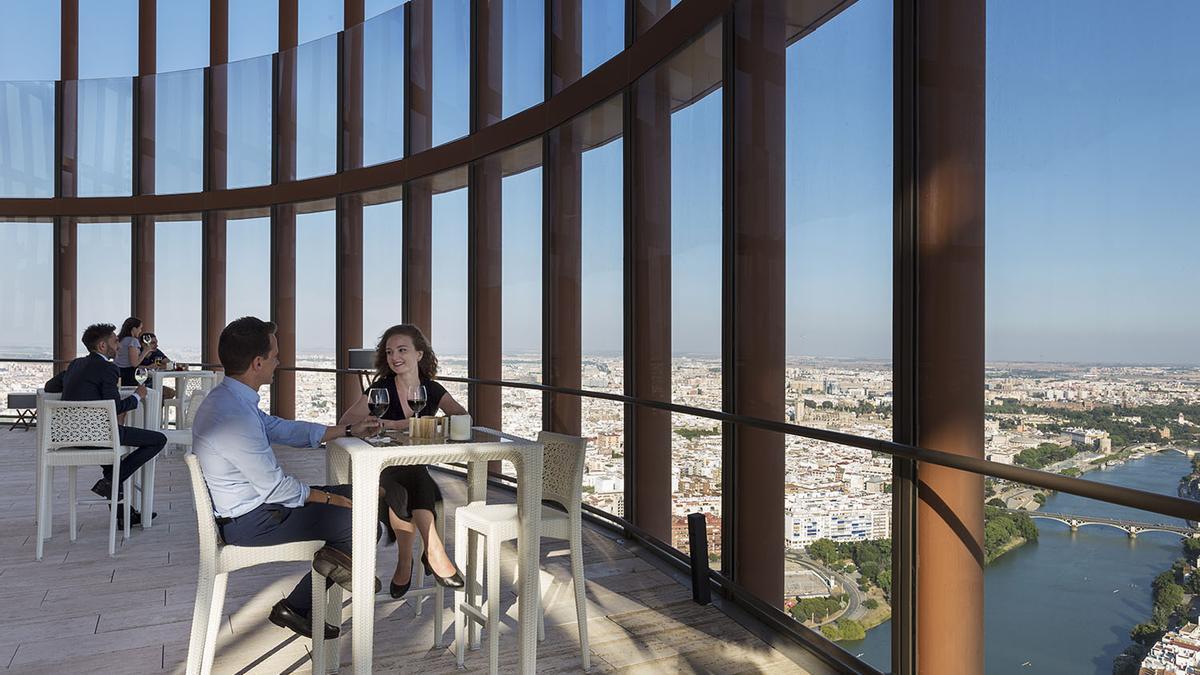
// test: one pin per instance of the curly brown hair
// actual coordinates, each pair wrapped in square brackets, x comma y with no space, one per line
[428,366]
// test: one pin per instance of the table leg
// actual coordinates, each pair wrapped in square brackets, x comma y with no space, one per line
[364,514]
[529,505]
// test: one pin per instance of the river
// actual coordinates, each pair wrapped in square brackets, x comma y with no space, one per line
[1066,604]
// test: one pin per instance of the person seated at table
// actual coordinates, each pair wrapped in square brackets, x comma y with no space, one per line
[129,351]
[154,359]
[404,361]
[94,378]
[254,501]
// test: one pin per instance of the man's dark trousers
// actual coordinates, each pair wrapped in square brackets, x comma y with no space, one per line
[271,524]
[148,443]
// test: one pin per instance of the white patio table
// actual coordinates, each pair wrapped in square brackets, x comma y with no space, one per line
[357,462]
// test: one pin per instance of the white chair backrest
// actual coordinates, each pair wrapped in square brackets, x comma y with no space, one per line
[205,521]
[562,468]
[191,406]
[74,424]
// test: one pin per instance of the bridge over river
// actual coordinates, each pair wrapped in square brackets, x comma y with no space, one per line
[1130,527]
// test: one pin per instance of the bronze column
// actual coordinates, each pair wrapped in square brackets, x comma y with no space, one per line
[212,271]
[349,216]
[562,190]
[283,216]
[484,228]
[949,181]
[66,117]
[418,196]
[648,252]
[142,286]
[755,164]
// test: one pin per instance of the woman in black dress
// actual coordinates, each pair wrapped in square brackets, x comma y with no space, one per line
[404,361]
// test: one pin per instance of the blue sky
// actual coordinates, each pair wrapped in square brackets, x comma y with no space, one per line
[1091,174]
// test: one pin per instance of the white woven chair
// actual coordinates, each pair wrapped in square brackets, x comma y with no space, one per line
[187,385]
[562,483]
[42,395]
[74,434]
[218,559]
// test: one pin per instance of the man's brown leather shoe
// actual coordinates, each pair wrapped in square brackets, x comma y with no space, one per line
[337,567]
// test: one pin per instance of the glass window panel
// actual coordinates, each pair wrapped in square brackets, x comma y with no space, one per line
[27,310]
[383,269]
[449,320]
[27,139]
[524,73]
[521,300]
[318,19]
[105,155]
[108,38]
[839,324]
[182,35]
[316,108]
[451,69]
[253,28]
[177,275]
[602,320]
[696,271]
[316,334]
[248,152]
[103,269]
[603,31]
[248,275]
[383,87]
[28,283]
[376,7]
[179,132]
[29,46]
[1091,135]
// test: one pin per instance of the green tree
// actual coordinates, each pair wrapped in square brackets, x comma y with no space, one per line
[824,550]
[1146,634]
[871,603]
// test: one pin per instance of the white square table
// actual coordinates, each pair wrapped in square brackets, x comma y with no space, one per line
[357,462]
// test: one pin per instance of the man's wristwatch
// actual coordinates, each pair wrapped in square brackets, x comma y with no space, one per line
[349,431]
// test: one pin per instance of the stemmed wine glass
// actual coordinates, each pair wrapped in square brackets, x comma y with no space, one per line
[147,337]
[416,401]
[141,374]
[378,403]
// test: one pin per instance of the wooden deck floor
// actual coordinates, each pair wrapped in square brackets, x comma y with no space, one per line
[81,611]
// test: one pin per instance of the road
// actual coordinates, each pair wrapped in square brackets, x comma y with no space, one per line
[854,605]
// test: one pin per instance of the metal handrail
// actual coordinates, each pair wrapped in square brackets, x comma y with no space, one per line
[1138,499]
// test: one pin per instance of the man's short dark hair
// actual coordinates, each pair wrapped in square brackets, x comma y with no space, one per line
[242,341]
[96,333]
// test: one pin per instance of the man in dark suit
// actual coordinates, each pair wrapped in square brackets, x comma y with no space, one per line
[94,378]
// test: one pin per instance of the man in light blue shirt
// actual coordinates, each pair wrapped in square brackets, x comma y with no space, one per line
[255,502]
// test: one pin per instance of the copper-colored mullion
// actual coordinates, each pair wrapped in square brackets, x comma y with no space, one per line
[418,196]
[143,253]
[648,357]
[66,123]
[949,181]
[213,225]
[349,213]
[484,227]
[755,162]
[283,216]
[562,197]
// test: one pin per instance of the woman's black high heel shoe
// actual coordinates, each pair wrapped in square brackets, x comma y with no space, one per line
[453,581]
[398,590]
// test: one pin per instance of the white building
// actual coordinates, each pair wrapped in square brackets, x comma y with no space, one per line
[1177,653]
[837,516]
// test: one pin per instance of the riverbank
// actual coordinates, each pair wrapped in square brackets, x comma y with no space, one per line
[1092,585]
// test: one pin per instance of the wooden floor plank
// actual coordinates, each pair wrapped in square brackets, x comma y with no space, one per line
[80,610]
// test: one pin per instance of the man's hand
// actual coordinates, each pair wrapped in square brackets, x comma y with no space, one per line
[368,427]
[141,391]
[322,497]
